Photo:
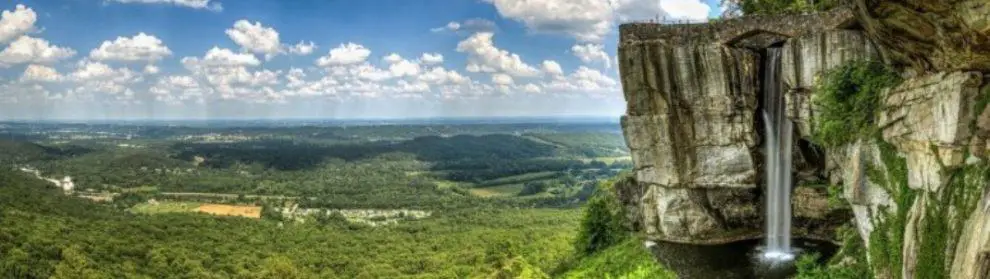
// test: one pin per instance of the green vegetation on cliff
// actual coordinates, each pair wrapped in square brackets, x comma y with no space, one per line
[945,215]
[772,7]
[918,233]
[847,100]
[887,239]
[627,260]
[605,248]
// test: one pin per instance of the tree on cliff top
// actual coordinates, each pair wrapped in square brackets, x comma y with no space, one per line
[772,7]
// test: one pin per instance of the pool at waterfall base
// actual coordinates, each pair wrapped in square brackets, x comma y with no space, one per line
[735,260]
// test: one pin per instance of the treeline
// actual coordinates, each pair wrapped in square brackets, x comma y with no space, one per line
[20,152]
[477,171]
[294,155]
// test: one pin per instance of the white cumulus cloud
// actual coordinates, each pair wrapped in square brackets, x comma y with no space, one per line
[256,38]
[345,54]
[439,75]
[531,88]
[686,9]
[592,20]
[15,23]
[502,79]
[583,79]
[392,58]
[483,56]
[151,69]
[431,58]
[552,68]
[33,50]
[589,53]
[303,48]
[195,4]
[40,73]
[96,71]
[221,57]
[585,20]
[140,47]
[404,68]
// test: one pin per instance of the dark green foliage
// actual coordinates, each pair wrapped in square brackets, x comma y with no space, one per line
[849,263]
[847,100]
[773,7]
[533,187]
[459,147]
[44,233]
[293,155]
[20,152]
[602,221]
[808,268]
[528,177]
[835,198]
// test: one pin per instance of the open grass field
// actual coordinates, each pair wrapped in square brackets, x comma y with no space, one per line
[444,184]
[504,190]
[165,207]
[510,185]
[231,210]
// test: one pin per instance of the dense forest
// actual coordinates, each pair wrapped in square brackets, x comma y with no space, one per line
[490,201]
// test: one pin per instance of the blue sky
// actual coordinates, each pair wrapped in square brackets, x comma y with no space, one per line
[85,59]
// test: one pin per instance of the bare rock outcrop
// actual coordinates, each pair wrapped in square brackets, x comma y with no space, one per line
[930,36]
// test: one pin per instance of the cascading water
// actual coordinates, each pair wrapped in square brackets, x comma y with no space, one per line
[778,163]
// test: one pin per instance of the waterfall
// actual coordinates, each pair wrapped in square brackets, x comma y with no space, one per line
[778,162]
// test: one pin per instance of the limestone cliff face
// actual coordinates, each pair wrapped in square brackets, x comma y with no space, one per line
[691,121]
[693,93]
[690,128]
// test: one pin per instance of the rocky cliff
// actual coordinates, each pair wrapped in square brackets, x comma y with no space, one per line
[693,92]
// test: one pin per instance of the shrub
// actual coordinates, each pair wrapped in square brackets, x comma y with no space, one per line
[847,100]
[849,263]
[771,7]
[533,188]
[602,223]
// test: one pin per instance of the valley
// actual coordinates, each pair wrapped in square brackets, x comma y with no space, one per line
[410,201]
